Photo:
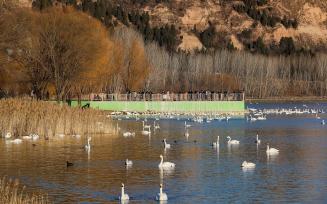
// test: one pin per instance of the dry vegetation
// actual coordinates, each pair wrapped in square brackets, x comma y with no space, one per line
[68,54]
[12,193]
[24,116]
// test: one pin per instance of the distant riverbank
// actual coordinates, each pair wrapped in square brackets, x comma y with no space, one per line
[286,99]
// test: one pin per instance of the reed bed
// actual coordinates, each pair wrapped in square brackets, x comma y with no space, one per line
[24,116]
[12,193]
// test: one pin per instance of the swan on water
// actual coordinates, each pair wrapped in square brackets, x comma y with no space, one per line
[186,125]
[16,141]
[8,135]
[167,146]
[146,126]
[230,141]
[323,122]
[246,164]
[257,140]
[87,147]
[165,165]
[128,162]
[216,144]
[128,134]
[271,151]
[146,132]
[187,134]
[161,196]
[156,126]
[123,196]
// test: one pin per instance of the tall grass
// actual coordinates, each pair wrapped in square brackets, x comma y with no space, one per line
[12,193]
[23,116]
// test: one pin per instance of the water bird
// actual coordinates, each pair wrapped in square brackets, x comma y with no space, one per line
[230,141]
[187,134]
[156,126]
[16,141]
[8,135]
[257,140]
[216,144]
[246,164]
[161,196]
[323,122]
[61,135]
[146,126]
[186,125]
[165,165]
[87,147]
[175,141]
[167,146]
[128,162]
[271,151]
[146,132]
[123,196]
[128,134]
[68,164]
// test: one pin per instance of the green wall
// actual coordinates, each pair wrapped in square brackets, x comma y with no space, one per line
[167,106]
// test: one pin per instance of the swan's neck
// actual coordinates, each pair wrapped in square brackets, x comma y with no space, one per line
[165,142]
[160,191]
[88,143]
[161,161]
[268,147]
[257,137]
[229,139]
[122,191]
[218,140]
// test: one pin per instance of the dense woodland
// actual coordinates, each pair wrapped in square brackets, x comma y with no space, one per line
[61,52]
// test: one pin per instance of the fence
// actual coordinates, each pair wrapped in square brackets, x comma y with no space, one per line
[208,96]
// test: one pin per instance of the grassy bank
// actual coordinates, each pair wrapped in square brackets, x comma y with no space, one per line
[25,116]
[12,193]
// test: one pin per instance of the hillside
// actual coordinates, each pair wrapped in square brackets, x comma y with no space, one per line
[255,25]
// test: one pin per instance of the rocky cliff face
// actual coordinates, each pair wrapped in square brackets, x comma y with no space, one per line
[241,27]
[240,24]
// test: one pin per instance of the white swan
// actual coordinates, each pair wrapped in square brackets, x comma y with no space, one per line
[323,122]
[87,147]
[216,144]
[167,146]
[156,126]
[187,134]
[8,135]
[165,165]
[29,137]
[77,136]
[128,162]
[146,126]
[271,151]
[16,141]
[246,164]
[161,196]
[128,134]
[257,140]
[123,195]
[35,136]
[146,132]
[232,141]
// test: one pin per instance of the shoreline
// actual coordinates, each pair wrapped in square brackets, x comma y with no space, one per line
[287,99]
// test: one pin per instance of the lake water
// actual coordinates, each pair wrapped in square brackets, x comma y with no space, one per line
[202,174]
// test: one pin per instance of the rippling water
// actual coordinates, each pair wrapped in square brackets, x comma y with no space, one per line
[202,174]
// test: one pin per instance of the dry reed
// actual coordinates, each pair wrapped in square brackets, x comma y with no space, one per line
[23,116]
[12,193]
